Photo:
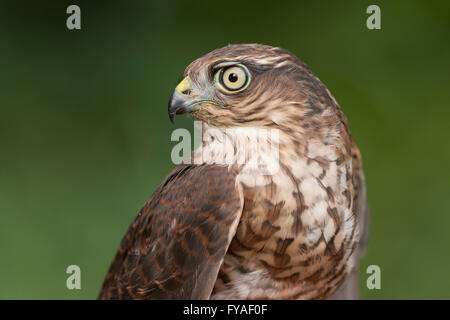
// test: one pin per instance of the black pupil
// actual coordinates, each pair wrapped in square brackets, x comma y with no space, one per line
[233,77]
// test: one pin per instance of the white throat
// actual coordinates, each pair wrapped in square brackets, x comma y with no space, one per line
[249,148]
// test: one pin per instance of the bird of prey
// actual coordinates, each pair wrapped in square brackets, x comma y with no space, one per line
[215,230]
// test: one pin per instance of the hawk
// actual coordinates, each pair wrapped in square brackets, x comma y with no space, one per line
[215,230]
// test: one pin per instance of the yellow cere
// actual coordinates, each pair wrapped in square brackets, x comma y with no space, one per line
[184,85]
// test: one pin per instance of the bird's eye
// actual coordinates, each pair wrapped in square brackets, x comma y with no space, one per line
[233,79]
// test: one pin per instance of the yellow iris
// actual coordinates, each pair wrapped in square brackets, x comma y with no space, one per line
[233,79]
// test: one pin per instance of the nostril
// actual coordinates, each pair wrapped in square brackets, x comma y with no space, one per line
[187,92]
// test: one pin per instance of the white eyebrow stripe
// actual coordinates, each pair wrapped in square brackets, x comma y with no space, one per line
[282,63]
[226,64]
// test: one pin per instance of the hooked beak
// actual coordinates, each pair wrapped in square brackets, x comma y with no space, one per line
[181,101]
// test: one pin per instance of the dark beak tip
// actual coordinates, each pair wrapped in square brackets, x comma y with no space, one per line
[179,104]
[170,111]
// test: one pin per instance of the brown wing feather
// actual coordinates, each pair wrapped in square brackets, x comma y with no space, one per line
[362,206]
[349,289]
[176,244]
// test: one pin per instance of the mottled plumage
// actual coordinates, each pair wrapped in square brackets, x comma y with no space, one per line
[222,231]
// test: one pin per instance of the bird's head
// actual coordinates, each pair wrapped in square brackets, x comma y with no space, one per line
[253,85]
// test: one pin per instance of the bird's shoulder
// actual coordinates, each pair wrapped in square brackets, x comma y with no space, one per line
[176,243]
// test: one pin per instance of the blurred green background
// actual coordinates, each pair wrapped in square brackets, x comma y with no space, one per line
[85,137]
